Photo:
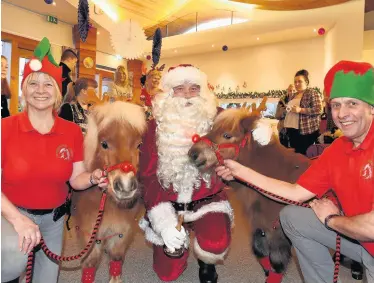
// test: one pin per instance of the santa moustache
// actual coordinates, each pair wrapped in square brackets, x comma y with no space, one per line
[178,119]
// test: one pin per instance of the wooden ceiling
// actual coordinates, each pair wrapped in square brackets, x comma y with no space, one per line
[288,5]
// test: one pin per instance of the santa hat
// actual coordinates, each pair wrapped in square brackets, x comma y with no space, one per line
[43,62]
[181,74]
[351,79]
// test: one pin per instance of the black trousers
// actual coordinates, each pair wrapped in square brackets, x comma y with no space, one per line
[301,142]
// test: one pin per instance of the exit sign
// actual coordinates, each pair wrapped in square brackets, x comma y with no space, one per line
[52,20]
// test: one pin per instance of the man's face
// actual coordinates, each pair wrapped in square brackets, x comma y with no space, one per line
[186,90]
[353,117]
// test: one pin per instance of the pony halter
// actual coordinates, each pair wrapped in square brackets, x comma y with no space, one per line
[125,167]
[217,147]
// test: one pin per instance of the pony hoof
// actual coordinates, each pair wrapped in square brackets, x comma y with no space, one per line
[115,279]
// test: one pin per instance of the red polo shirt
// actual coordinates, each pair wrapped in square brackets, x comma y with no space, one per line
[35,167]
[349,172]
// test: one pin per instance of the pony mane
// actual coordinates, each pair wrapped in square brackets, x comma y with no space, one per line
[103,115]
[230,119]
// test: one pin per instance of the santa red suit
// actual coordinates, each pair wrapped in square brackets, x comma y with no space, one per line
[174,186]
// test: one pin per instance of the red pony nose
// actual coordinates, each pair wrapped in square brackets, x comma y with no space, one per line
[196,138]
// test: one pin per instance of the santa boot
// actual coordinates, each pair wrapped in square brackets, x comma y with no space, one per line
[356,270]
[88,275]
[207,272]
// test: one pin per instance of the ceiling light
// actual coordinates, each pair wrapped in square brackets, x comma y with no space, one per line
[258,38]
[54,3]
[118,57]
[98,32]
[315,30]
[175,50]
[212,45]
[216,24]
[107,8]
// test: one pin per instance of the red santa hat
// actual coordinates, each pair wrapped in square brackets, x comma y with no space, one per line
[184,73]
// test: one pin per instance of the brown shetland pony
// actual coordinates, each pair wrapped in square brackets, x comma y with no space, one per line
[114,134]
[263,153]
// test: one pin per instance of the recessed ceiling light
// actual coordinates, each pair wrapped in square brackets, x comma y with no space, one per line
[212,45]
[98,32]
[258,38]
[118,57]
[175,50]
[54,3]
[315,30]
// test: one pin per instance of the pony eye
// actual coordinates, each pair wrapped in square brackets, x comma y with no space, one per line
[139,145]
[227,136]
[104,145]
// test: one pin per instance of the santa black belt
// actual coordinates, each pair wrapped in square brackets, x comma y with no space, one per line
[178,206]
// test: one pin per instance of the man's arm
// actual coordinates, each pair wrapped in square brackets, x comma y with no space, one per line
[359,227]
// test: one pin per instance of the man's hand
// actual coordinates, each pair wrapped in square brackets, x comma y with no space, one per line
[231,170]
[323,208]
[28,233]
[173,238]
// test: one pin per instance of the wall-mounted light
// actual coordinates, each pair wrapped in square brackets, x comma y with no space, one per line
[107,8]
[118,57]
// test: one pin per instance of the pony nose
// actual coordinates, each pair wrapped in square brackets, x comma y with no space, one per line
[193,154]
[129,185]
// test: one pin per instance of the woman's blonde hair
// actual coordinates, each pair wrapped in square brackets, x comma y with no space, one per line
[117,80]
[58,101]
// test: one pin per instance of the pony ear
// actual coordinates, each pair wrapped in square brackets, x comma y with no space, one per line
[249,123]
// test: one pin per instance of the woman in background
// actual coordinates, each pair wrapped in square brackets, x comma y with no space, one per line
[303,114]
[77,100]
[121,87]
[281,112]
[5,90]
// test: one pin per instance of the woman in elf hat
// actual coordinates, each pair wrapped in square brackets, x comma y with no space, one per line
[40,153]
[346,167]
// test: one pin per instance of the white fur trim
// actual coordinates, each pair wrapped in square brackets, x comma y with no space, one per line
[181,75]
[185,196]
[149,234]
[35,65]
[162,216]
[208,257]
[221,207]
[262,133]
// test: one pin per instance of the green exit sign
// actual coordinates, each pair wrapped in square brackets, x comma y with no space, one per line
[52,20]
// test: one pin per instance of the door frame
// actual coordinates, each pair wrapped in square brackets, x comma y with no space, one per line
[18,45]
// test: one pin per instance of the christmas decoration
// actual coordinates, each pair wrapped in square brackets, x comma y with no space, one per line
[149,57]
[225,48]
[156,47]
[253,95]
[195,138]
[48,1]
[128,39]
[83,19]
[321,31]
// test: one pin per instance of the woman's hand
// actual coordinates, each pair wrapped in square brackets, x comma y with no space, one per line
[231,170]
[28,233]
[296,109]
[98,177]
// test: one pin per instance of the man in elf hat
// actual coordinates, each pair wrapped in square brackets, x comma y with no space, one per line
[347,167]
[173,186]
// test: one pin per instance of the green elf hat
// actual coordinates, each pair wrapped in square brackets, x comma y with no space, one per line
[43,62]
[351,79]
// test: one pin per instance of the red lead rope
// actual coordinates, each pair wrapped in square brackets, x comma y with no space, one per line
[216,148]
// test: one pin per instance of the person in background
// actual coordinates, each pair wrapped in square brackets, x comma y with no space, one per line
[280,114]
[68,62]
[40,153]
[346,167]
[121,86]
[5,90]
[75,105]
[303,116]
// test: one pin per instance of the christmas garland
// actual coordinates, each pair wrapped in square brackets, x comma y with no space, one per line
[254,95]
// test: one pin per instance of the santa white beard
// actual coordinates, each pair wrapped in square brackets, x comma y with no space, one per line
[176,124]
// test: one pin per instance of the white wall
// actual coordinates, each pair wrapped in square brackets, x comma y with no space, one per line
[368,51]
[263,67]
[27,24]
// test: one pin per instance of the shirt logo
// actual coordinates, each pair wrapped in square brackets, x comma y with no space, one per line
[367,171]
[64,152]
